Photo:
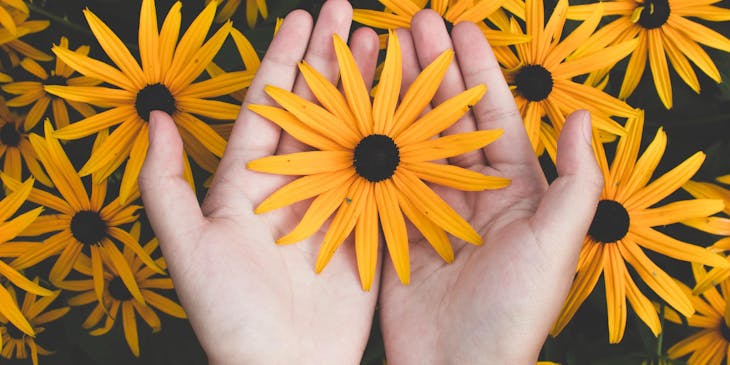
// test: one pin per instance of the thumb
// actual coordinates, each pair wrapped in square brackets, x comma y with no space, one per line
[170,203]
[567,208]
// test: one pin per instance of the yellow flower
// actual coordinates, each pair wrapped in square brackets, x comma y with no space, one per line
[710,344]
[15,340]
[165,81]
[253,9]
[15,147]
[663,30]
[623,225]
[33,92]
[399,13]
[81,222]
[113,294]
[541,77]
[371,159]
[9,229]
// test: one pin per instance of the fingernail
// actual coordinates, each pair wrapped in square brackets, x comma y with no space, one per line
[153,122]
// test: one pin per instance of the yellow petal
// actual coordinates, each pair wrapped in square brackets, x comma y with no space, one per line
[659,68]
[367,235]
[431,205]
[441,117]
[303,163]
[448,146]
[666,184]
[455,177]
[295,127]
[303,188]
[356,92]
[386,96]
[614,268]
[668,246]
[420,93]
[394,228]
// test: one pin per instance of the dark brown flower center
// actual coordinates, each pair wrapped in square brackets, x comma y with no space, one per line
[376,157]
[611,222]
[118,290]
[55,80]
[14,332]
[9,135]
[88,227]
[654,13]
[534,82]
[154,97]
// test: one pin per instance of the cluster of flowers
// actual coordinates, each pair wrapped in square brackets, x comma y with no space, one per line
[92,240]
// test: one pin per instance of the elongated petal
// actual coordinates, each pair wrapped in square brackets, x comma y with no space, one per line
[115,49]
[614,268]
[367,235]
[315,117]
[12,201]
[9,309]
[666,184]
[97,122]
[441,117]
[303,163]
[328,95]
[295,127]
[132,243]
[656,278]
[676,212]
[104,97]
[149,42]
[21,281]
[164,304]
[122,268]
[644,167]
[582,286]
[668,246]
[129,323]
[321,208]
[303,188]
[386,96]
[642,306]
[11,229]
[394,228]
[448,146]
[431,205]
[343,222]
[659,68]
[420,93]
[456,177]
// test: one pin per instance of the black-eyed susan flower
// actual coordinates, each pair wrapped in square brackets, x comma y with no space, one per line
[541,77]
[164,81]
[710,344]
[371,159]
[623,225]
[9,229]
[115,296]
[33,92]
[399,13]
[15,148]
[16,343]
[664,30]
[253,9]
[81,221]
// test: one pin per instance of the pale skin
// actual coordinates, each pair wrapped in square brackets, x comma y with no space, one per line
[251,301]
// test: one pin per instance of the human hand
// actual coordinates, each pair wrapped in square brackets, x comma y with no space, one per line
[494,304]
[247,298]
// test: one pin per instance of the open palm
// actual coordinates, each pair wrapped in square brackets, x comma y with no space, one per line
[246,297]
[496,303]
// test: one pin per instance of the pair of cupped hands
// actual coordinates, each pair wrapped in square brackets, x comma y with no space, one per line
[251,301]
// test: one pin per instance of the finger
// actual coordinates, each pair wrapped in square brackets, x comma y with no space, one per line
[169,201]
[334,18]
[497,109]
[567,208]
[365,47]
[253,136]
[431,38]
